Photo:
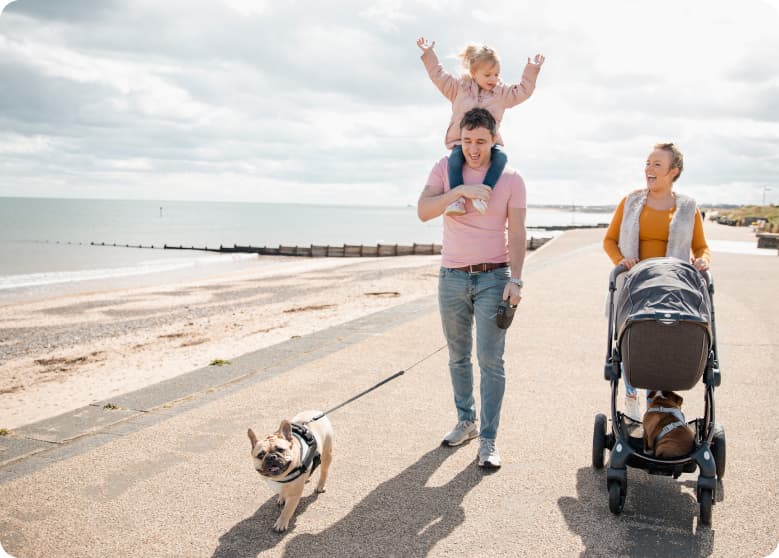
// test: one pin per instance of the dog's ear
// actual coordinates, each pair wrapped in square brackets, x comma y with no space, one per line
[285,429]
[252,437]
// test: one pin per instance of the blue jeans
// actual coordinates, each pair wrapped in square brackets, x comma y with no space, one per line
[463,297]
[498,162]
[630,390]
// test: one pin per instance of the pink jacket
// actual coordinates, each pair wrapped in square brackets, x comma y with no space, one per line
[465,94]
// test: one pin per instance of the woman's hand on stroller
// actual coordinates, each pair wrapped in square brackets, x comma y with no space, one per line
[628,262]
[700,264]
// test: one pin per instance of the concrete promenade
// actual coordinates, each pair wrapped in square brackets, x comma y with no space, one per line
[168,474]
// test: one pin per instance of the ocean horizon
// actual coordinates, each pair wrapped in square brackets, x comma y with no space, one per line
[47,241]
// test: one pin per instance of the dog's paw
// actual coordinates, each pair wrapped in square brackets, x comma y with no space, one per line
[321,489]
[279,500]
[280,526]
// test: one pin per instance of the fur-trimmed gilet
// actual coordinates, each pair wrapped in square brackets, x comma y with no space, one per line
[679,233]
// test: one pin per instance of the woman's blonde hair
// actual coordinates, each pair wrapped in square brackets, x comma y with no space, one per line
[475,55]
[677,159]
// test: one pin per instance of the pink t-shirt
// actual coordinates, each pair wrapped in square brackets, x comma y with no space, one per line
[474,238]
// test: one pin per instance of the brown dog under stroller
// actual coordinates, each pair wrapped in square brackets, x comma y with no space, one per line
[661,336]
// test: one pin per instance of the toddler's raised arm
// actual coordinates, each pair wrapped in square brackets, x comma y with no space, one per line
[519,92]
[446,83]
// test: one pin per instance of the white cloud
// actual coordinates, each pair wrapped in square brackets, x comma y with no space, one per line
[20,144]
[387,14]
[249,7]
[305,101]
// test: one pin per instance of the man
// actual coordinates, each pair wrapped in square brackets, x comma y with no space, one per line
[474,278]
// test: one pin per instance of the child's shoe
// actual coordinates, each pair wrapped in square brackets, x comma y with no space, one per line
[457,207]
[479,205]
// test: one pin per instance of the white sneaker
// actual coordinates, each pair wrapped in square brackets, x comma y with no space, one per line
[479,205]
[489,458]
[463,431]
[457,207]
[633,407]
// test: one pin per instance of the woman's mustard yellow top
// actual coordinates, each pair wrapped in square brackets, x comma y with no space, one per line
[653,226]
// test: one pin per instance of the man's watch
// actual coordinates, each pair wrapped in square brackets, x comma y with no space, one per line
[517,281]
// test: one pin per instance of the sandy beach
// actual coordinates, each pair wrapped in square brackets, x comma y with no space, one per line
[60,354]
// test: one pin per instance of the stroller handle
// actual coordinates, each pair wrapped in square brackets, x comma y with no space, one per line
[709,281]
[616,272]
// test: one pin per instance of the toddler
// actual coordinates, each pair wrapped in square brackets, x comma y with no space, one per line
[480,87]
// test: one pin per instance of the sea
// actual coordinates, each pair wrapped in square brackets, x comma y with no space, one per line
[54,246]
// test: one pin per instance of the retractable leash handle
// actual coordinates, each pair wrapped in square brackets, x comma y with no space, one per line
[505,314]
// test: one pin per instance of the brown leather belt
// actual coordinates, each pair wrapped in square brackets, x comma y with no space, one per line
[481,268]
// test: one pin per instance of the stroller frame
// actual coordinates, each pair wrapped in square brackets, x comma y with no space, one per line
[626,451]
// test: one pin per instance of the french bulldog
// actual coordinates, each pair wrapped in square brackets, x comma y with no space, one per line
[279,456]
[676,442]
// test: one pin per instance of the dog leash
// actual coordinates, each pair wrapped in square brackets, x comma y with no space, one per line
[370,389]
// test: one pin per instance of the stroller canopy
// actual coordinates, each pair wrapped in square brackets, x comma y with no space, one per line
[663,289]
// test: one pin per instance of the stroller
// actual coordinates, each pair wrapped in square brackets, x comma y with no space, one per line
[662,337]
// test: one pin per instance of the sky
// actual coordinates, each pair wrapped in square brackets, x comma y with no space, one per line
[329,103]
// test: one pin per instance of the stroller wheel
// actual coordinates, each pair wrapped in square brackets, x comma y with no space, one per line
[598,441]
[616,497]
[705,499]
[718,450]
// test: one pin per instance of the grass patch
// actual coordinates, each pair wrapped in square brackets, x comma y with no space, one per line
[219,362]
[111,407]
[4,432]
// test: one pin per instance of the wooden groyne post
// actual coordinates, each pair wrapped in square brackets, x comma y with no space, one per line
[321,251]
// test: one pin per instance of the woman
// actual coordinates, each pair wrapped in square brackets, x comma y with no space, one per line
[655,222]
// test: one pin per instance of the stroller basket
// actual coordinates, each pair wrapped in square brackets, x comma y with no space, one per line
[663,319]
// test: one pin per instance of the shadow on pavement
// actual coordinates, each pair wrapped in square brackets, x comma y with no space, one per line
[255,534]
[400,517]
[658,519]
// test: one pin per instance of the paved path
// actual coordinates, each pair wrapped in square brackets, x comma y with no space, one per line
[158,478]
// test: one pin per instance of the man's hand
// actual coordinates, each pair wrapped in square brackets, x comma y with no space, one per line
[425,46]
[513,292]
[474,191]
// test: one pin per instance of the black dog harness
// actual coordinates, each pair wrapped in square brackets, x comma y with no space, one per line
[310,457]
